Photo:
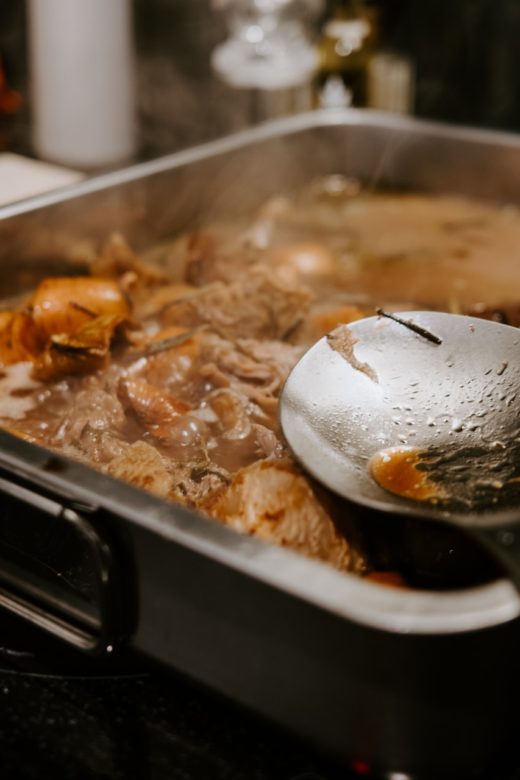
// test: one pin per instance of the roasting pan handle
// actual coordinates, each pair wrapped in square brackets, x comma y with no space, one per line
[64,569]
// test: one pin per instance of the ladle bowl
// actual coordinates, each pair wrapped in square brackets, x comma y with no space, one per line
[424,380]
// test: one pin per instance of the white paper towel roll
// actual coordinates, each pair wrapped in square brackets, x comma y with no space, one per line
[82,73]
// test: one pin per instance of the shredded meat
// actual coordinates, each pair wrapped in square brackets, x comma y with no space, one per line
[217,258]
[94,406]
[241,366]
[194,482]
[165,370]
[265,303]
[273,501]
[91,431]
[143,466]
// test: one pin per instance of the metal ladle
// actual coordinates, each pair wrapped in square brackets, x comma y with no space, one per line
[441,383]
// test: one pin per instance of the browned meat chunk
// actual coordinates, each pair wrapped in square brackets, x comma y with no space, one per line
[266,303]
[143,466]
[65,304]
[273,501]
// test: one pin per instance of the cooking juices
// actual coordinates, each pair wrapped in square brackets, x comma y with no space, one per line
[457,479]
[164,370]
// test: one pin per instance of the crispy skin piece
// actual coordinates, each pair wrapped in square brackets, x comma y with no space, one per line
[85,350]
[272,500]
[20,338]
[143,466]
[64,304]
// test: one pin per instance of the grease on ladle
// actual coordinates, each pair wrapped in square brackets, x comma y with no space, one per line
[464,478]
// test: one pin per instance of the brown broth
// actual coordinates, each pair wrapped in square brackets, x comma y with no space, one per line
[238,306]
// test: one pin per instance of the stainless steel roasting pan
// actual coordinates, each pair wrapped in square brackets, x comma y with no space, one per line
[416,683]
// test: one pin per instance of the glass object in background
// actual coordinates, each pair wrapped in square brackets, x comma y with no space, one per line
[81,56]
[10,104]
[391,83]
[268,60]
[345,47]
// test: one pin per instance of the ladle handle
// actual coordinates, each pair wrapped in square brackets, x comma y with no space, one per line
[503,542]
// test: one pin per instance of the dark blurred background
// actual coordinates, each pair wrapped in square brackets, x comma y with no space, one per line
[466,54]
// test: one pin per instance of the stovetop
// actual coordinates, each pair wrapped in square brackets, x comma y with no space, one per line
[65,715]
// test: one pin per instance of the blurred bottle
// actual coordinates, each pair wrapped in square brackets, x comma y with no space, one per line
[345,47]
[10,103]
[81,58]
[391,83]
[268,60]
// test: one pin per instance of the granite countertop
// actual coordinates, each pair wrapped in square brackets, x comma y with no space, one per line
[64,715]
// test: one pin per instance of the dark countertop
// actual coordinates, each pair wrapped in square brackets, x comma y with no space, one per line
[64,715]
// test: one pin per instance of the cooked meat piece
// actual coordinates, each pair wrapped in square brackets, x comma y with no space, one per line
[255,369]
[265,303]
[143,466]
[218,257]
[231,413]
[89,429]
[278,356]
[94,406]
[165,417]
[252,369]
[267,443]
[236,440]
[63,305]
[168,359]
[84,351]
[273,501]
[201,259]
[20,338]
[95,446]
[194,482]
[237,364]
[153,406]
[116,259]
[248,364]
[161,297]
